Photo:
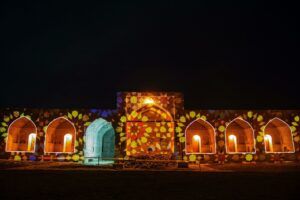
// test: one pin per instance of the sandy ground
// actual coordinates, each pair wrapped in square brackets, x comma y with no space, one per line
[68,181]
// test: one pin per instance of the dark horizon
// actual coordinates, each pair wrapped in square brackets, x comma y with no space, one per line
[220,56]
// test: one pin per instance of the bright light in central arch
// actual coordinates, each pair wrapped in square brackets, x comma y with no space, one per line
[148,101]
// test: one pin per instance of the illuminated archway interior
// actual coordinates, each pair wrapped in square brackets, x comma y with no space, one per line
[200,137]
[278,137]
[239,137]
[150,131]
[21,135]
[60,136]
[99,143]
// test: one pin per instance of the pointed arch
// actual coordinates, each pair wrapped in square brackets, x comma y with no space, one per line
[99,143]
[153,112]
[200,137]
[60,136]
[149,131]
[239,137]
[21,135]
[278,137]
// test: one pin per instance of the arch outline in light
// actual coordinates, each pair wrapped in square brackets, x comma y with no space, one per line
[28,135]
[45,142]
[292,138]
[185,132]
[254,142]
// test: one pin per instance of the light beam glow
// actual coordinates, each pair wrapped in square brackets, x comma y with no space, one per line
[232,143]
[269,143]
[67,143]
[197,142]
[31,142]
[148,101]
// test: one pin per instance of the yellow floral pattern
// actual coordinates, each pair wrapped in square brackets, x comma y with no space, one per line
[138,133]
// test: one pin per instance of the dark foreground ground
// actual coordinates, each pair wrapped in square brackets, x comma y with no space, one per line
[77,183]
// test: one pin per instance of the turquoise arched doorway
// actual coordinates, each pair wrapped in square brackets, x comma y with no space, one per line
[99,143]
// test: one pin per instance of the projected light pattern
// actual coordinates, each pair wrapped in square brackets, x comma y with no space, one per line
[149,138]
[149,131]
[152,124]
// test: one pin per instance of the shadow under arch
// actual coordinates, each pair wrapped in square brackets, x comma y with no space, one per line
[99,143]
[21,135]
[200,137]
[60,136]
[239,137]
[278,137]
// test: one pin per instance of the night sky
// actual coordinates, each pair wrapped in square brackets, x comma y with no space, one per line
[219,55]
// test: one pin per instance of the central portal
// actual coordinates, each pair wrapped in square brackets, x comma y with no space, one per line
[150,131]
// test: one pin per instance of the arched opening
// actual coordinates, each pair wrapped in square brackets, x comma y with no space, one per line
[21,135]
[150,131]
[60,136]
[200,138]
[99,143]
[239,136]
[278,137]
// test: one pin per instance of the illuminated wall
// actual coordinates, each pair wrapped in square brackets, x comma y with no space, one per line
[241,123]
[152,124]
[146,124]
[149,131]
[59,132]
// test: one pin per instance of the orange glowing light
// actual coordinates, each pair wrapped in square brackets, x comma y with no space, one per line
[148,101]
[197,143]
[232,144]
[31,142]
[67,143]
[269,143]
